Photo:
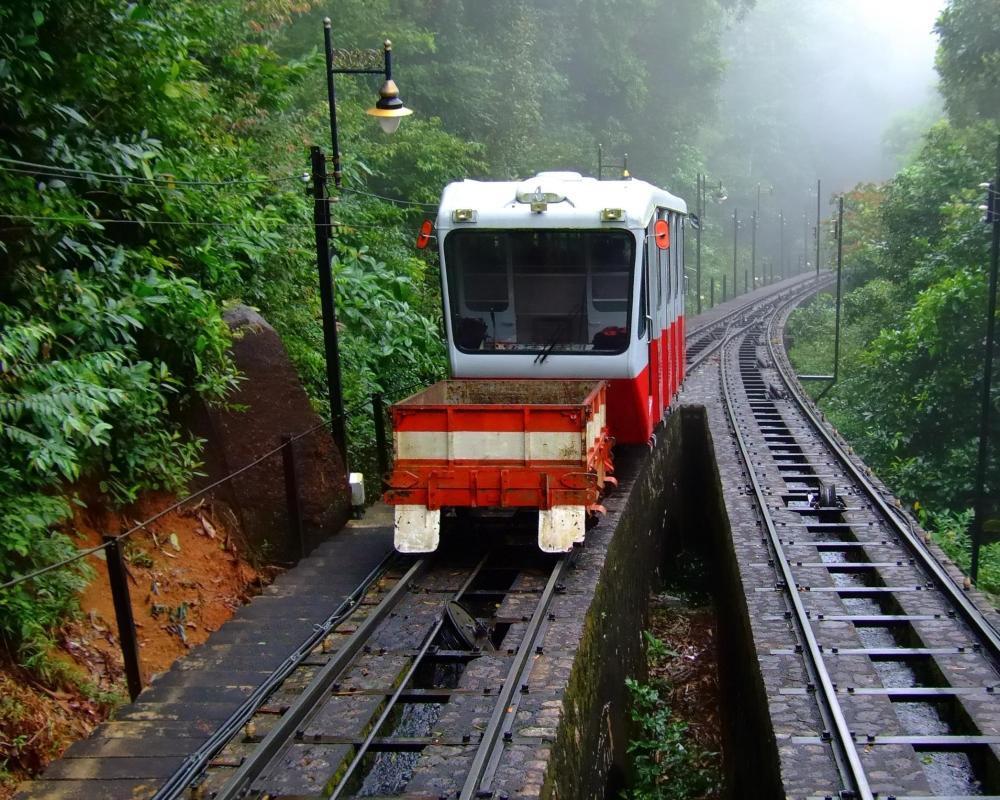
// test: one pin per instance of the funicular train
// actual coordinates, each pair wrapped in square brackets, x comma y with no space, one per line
[564,314]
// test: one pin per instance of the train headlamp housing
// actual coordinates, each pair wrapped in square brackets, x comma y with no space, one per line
[464,215]
[540,200]
[612,214]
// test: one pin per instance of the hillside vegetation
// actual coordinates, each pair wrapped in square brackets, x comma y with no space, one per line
[150,176]
[917,274]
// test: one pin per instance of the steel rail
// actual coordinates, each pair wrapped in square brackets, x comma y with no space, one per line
[747,306]
[729,332]
[195,763]
[971,613]
[490,748]
[843,742]
[798,290]
[306,702]
[402,684]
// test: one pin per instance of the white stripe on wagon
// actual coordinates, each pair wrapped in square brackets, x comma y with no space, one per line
[490,446]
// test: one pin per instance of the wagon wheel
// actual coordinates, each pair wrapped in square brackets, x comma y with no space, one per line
[827,495]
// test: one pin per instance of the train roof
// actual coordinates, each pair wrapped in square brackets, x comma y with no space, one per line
[571,201]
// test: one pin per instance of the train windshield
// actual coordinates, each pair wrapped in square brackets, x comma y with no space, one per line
[531,291]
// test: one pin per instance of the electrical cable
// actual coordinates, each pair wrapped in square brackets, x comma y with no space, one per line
[81,554]
[84,173]
[184,223]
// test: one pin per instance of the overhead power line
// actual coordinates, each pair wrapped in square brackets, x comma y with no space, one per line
[55,170]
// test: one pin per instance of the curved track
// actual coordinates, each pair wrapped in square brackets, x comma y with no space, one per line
[901,662]
[705,340]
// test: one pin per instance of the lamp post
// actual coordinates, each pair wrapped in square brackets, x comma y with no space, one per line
[389,110]
[601,166]
[986,407]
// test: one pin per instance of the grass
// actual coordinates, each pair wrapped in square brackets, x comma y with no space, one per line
[667,763]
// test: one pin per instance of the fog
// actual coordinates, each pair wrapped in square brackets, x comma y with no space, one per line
[811,90]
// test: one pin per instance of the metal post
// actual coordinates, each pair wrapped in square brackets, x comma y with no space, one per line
[118,579]
[746,282]
[296,536]
[986,407]
[328,304]
[600,161]
[781,246]
[736,244]
[378,410]
[805,241]
[724,292]
[331,99]
[840,269]
[712,295]
[701,225]
[753,249]
[819,221]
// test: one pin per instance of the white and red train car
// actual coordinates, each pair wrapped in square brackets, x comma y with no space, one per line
[558,278]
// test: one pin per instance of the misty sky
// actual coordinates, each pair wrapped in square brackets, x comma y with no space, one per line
[812,88]
[879,59]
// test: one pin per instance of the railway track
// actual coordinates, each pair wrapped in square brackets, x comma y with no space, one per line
[429,650]
[705,340]
[902,665]
[400,673]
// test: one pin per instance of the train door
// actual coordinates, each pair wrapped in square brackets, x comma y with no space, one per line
[674,321]
[654,283]
[665,349]
[682,279]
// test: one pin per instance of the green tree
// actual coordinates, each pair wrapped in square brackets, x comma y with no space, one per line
[969,59]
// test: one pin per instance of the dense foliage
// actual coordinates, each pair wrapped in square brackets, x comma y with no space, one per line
[969,59]
[667,764]
[150,164]
[917,261]
[169,187]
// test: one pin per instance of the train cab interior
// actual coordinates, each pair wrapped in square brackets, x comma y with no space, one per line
[566,291]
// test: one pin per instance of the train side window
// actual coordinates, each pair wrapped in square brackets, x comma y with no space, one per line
[665,257]
[644,294]
[681,274]
[654,265]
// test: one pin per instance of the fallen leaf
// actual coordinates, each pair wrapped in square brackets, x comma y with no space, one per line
[175,542]
[207,526]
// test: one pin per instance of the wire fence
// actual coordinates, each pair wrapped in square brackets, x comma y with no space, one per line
[284,502]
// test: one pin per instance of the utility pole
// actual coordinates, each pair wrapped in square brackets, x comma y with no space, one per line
[840,271]
[819,221]
[753,248]
[701,225]
[736,245]
[781,245]
[986,407]
[805,242]
[328,303]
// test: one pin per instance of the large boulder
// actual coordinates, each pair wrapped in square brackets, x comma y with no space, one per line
[270,403]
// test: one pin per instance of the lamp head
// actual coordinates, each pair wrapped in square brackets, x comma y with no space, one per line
[389,109]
